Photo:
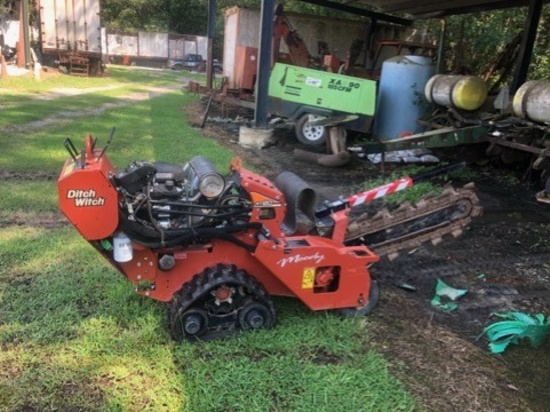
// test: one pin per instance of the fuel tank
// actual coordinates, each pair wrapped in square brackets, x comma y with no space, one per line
[532,101]
[458,92]
[400,102]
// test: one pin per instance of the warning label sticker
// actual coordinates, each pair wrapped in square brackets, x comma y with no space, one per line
[308,278]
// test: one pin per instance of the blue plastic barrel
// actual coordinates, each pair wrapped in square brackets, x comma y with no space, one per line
[401,100]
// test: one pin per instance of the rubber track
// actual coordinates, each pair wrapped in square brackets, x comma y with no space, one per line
[201,284]
[365,225]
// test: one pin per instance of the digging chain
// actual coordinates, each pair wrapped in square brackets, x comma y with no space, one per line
[406,227]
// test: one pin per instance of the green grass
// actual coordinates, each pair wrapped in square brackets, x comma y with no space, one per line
[114,75]
[19,102]
[414,193]
[23,196]
[150,130]
[75,336]
[411,194]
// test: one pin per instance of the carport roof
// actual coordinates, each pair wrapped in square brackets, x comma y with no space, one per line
[435,8]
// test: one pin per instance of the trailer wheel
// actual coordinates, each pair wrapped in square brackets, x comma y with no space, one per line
[374,296]
[310,135]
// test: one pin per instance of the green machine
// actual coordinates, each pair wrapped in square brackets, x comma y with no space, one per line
[304,95]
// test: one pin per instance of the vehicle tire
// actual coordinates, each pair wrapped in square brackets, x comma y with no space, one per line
[310,135]
[177,66]
[374,297]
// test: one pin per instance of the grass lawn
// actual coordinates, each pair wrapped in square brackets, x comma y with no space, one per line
[75,336]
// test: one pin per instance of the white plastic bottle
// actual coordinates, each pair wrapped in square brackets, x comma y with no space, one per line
[122,247]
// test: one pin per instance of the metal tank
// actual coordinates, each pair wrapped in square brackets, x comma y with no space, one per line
[532,101]
[459,92]
[401,101]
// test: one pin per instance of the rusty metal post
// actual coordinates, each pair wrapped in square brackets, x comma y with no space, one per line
[264,62]
[20,45]
[210,34]
[23,45]
[26,31]
[441,47]
[3,68]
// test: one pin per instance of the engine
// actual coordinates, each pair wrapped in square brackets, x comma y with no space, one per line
[165,204]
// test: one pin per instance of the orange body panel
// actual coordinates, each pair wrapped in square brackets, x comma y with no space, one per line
[190,261]
[88,199]
[264,196]
[297,261]
[284,268]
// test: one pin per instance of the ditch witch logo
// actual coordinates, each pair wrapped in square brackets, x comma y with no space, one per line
[84,198]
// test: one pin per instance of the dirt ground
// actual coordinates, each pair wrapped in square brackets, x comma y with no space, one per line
[503,260]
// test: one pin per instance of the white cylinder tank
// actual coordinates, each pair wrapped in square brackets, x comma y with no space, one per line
[532,101]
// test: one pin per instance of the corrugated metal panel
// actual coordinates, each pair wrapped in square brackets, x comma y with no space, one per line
[153,44]
[249,28]
[202,46]
[79,24]
[103,32]
[62,25]
[47,23]
[230,44]
[10,29]
[70,25]
[93,25]
[122,45]
[176,48]
[190,47]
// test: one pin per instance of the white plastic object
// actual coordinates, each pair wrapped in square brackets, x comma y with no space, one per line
[122,248]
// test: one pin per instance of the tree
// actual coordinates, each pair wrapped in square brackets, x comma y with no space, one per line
[7,7]
[475,41]
[134,15]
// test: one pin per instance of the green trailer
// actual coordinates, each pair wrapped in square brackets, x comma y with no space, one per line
[303,95]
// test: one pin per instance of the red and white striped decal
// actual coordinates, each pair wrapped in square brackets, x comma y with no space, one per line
[380,191]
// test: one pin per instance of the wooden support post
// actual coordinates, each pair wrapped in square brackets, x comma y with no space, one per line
[3,67]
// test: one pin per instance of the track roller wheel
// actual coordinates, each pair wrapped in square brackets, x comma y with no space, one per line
[374,296]
[254,316]
[194,322]
[219,302]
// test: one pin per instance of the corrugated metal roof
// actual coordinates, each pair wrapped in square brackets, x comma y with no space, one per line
[435,8]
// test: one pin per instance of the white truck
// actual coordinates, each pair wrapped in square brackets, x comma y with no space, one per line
[70,35]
